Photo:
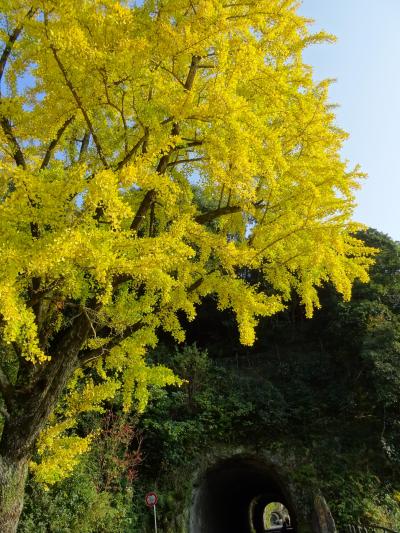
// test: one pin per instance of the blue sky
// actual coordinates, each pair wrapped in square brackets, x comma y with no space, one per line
[366,63]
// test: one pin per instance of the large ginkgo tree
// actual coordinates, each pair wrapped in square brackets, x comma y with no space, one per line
[152,153]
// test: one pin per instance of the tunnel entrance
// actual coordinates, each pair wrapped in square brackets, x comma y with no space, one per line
[275,516]
[233,495]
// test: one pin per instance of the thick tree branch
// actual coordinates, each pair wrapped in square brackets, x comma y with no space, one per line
[7,49]
[37,295]
[187,145]
[148,199]
[17,154]
[192,72]
[150,196]
[182,161]
[4,121]
[84,146]
[172,74]
[34,400]
[152,220]
[20,161]
[133,150]
[6,387]
[216,213]
[90,355]
[221,196]
[80,105]
[54,142]
[10,43]
[195,285]
[165,158]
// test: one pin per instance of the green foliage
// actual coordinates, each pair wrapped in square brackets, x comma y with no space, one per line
[75,505]
[357,495]
[98,495]
[216,404]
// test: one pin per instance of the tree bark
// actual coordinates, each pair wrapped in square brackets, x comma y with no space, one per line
[28,411]
[12,486]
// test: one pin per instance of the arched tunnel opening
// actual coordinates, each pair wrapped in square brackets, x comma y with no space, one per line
[233,495]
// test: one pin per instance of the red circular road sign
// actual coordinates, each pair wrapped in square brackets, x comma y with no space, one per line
[151,499]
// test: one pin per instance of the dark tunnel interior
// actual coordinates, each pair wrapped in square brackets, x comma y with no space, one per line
[233,494]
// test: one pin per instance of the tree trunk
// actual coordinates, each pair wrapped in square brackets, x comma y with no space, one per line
[13,475]
[29,408]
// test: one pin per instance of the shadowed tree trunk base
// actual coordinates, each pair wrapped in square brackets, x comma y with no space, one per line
[12,485]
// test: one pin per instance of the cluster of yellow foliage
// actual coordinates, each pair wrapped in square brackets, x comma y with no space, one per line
[59,452]
[151,152]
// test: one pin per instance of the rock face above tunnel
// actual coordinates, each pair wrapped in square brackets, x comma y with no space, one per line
[233,488]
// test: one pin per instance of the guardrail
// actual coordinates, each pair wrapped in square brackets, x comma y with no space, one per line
[278,529]
[370,528]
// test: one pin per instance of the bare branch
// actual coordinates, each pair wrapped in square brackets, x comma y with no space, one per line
[164,160]
[199,119]
[54,142]
[216,213]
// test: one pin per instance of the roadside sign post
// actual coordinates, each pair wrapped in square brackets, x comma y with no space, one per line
[151,501]
[155,519]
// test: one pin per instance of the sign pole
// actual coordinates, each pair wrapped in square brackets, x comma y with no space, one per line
[155,519]
[151,500]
